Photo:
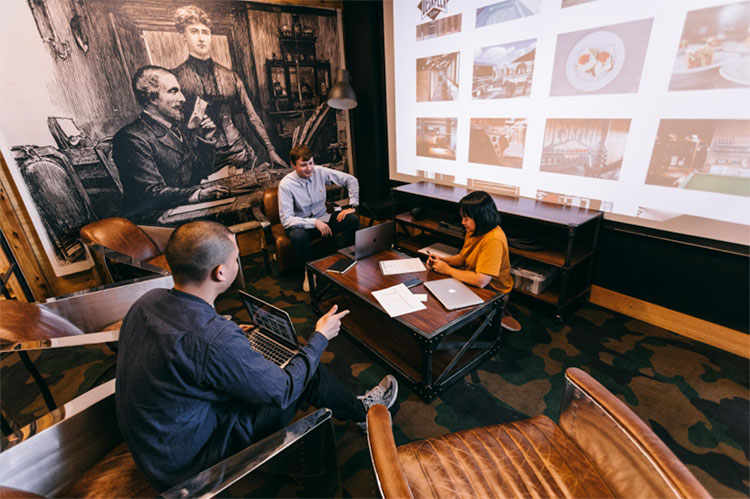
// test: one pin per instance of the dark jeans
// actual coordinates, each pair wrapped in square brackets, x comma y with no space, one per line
[300,238]
[323,390]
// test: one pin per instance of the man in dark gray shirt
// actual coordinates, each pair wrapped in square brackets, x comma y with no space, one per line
[190,391]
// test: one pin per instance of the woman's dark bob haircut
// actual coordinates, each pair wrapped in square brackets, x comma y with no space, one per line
[480,207]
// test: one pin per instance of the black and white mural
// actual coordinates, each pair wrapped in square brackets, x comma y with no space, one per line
[160,111]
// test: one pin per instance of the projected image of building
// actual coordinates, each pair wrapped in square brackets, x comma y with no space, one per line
[713,49]
[439,27]
[507,10]
[705,155]
[585,147]
[497,141]
[436,137]
[437,78]
[573,201]
[504,71]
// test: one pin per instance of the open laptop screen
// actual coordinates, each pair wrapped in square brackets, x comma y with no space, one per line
[272,321]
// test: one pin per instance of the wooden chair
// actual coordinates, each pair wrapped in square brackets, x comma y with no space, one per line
[276,245]
[599,449]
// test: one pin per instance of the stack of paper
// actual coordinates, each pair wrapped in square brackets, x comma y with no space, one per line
[398,300]
[403,266]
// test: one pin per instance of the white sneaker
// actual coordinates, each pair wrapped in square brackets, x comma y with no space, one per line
[306,284]
[384,393]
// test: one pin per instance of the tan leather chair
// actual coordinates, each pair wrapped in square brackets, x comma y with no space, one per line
[117,240]
[599,449]
[276,244]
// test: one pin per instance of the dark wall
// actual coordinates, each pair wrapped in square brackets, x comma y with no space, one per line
[363,42]
[659,268]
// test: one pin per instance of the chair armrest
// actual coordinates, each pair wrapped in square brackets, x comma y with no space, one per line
[218,477]
[121,258]
[629,456]
[159,235]
[94,309]
[261,217]
[64,341]
[383,454]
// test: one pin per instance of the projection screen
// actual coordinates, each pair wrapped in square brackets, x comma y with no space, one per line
[637,108]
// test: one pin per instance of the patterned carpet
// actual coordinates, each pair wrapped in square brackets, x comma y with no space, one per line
[695,397]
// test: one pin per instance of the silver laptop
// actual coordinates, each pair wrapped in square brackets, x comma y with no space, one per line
[452,293]
[370,241]
[274,336]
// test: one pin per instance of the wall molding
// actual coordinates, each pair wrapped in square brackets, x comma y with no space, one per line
[727,339]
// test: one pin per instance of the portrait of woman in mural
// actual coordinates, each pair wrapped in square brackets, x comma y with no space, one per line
[224,90]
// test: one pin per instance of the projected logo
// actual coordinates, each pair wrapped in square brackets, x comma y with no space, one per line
[437,78]
[497,141]
[714,49]
[504,71]
[585,147]
[603,60]
[432,8]
[703,155]
[436,137]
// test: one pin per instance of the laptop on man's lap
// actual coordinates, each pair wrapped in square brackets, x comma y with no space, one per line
[274,336]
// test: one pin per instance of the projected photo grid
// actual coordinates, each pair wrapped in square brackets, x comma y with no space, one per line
[712,52]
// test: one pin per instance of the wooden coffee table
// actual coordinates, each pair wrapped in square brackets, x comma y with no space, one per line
[430,348]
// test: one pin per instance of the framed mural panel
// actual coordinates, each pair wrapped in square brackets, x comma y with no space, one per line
[161,112]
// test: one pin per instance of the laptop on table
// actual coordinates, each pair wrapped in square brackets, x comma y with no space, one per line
[370,240]
[274,336]
[453,294]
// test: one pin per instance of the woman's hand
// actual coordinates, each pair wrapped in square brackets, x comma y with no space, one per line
[437,264]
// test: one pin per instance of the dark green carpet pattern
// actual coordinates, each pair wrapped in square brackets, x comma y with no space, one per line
[695,397]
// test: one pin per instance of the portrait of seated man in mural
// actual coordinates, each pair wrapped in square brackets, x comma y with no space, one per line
[205,82]
[161,163]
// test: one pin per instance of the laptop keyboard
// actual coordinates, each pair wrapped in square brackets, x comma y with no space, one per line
[268,348]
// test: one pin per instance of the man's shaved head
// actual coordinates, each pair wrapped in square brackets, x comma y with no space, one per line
[196,248]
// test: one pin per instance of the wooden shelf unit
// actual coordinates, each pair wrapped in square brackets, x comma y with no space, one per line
[568,235]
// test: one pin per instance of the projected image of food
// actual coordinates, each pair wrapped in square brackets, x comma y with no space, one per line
[714,49]
[704,155]
[506,11]
[605,60]
[496,141]
[436,138]
[585,147]
[437,78]
[504,71]
[573,200]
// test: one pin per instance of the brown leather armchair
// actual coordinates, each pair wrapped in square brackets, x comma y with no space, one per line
[599,449]
[275,242]
[116,243]
[123,250]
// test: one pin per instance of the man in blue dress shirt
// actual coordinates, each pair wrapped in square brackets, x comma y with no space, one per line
[190,391]
[302,204]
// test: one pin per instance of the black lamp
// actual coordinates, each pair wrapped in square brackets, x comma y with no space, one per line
[341,95]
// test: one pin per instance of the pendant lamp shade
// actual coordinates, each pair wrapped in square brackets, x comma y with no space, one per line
[341,95]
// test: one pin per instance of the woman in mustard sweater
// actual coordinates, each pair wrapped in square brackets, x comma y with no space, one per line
[483,261]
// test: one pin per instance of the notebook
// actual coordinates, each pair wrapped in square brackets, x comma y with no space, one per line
[370,240]
[274,336]
[452,293]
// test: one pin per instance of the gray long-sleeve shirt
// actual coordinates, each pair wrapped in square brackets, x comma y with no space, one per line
[303,200]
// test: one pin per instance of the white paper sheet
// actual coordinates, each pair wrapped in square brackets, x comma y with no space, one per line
[421,296]
[390,267]
[398,300]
